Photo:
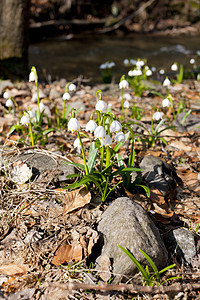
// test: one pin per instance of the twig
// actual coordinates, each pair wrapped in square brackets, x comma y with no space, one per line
[171,289]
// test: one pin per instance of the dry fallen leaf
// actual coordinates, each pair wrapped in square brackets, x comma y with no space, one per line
[13,270]
[66,253]
[74,199]
[105,268]
[190,179]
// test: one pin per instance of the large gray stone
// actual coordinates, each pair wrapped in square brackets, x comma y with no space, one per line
[127,224]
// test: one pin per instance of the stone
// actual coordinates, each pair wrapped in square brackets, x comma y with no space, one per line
[191,122]
[54,94]
[127,224]
[158,174]
[46,167]
[181,242]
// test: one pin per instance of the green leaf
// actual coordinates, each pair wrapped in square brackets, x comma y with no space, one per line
[134,260]
[73,175]
[147,190]
[92,157]
[82,167]
[158,94]
[148,258]
[167,268]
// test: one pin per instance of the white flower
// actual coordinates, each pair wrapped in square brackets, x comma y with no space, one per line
[101,106]
[32,77]
[29,114]
[25,120]
[9,103]
[127,96]
[126,104]
[166,82]
[111,64]
[162,71]
[140,63]
[133,61]
[107,141]
[42,106]
[104,66]
[158,116]
[126,61]
[153,69]
[100,132]
[120,137]
[115,126]
[123,84]
[6,95]
[66,96]
[77,144]
[198,52]
[91,126]
[73,125]
[174,67]
[148,72]
[20,173]
[166,103]
[72,87]
[192,61]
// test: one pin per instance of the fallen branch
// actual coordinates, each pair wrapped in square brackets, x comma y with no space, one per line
[133,289]
[133,15]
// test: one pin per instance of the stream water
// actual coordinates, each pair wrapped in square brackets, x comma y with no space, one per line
[82,55]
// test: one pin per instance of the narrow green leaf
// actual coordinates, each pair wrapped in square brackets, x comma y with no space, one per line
[148,258]
[92,157]
[82,167]
[134,260]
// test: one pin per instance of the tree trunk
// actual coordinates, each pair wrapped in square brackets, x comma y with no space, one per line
[14,36]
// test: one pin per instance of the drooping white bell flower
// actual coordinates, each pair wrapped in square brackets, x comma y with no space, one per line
[91,126]
[133,61]
[100,132]
[162,71]
[153,69]
[111,64]
[158,115]
[127,96]
[126,104]
[66,96]
[140,63]
[148,72]
[101,106]
[77,144]
[73,125]
[120,137]
[107,141]
[25,120]
[42,106]
[9,103]
[166,82]
[174,67]
[126,61]
[6,95]
[72,87]
[115,126]
[192,61]
[166,103]
[123,84]
[29,114]
[32,77]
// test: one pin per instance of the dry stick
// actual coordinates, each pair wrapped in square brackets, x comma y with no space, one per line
[174,288]
[133,15]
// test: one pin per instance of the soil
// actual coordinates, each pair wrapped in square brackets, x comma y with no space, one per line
[41,222]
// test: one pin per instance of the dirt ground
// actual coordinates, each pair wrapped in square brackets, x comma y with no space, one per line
[49,235]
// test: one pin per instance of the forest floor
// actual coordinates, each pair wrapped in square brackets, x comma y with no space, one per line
[39,217]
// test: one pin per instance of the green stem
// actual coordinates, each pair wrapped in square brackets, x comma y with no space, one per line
[122,101]
[102,157]
[64,109]
[38,100]
[31,134]
[57,117]
[108,156]
[83,154]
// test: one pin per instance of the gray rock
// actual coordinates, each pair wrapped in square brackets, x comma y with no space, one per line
[54,94]
[158,174]
[182,244]
[127,224]
[5,84]
[46,168]
[191,122]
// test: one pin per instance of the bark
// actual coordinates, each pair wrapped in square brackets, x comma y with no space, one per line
[14,30]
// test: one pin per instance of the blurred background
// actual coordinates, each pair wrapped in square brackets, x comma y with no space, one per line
[69,38]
